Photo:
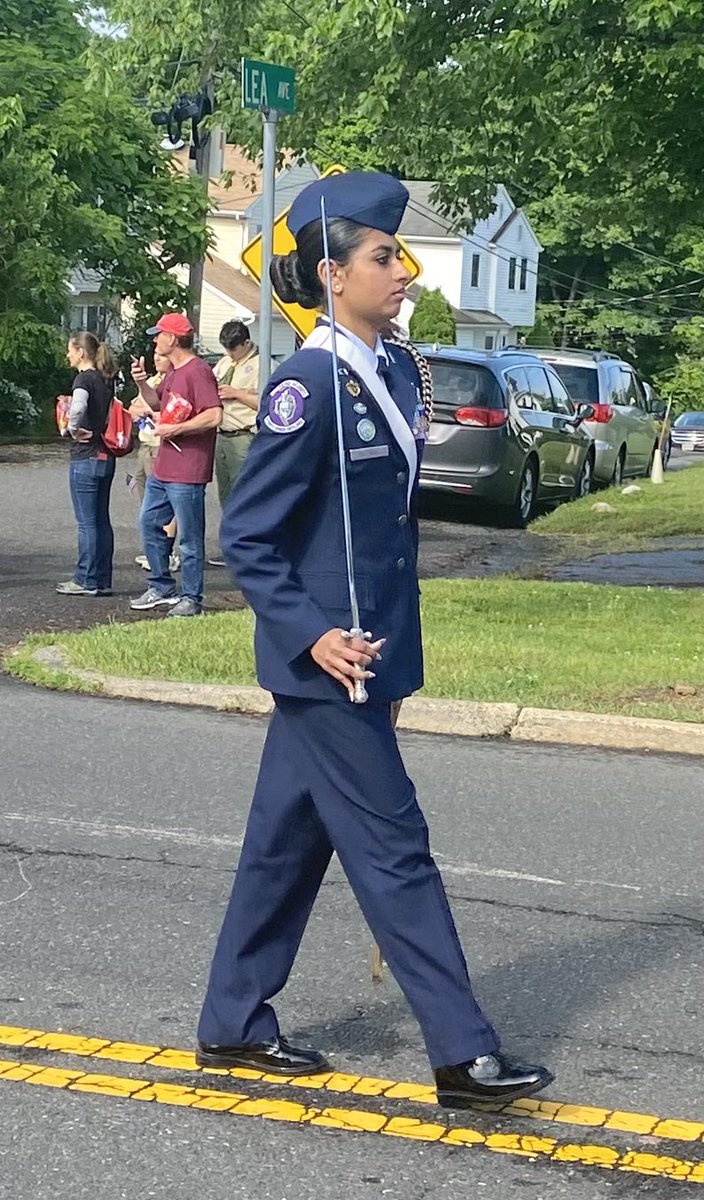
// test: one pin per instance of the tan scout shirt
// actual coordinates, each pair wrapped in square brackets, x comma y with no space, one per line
[245,375]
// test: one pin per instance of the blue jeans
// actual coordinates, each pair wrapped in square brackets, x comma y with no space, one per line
[186,502]
[90,481]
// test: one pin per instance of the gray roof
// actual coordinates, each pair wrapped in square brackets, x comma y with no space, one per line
[82,279]
[289,183]
[421,218]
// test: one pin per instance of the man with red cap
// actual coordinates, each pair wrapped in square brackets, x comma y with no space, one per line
[182,468]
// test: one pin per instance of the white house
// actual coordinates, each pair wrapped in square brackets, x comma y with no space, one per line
[91,308]
[489,276]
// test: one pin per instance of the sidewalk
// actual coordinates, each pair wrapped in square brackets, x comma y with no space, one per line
[419,714]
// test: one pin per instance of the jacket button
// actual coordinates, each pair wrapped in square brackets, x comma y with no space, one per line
[402,519]
[401,477]
[401,563]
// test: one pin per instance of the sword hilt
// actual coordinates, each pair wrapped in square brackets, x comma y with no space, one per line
[360,695]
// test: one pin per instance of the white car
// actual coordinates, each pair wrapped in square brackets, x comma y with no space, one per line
[624,429]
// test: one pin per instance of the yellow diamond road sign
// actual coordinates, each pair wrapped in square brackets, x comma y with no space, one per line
[303,319]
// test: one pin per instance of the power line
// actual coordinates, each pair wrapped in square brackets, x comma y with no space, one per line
[543,269]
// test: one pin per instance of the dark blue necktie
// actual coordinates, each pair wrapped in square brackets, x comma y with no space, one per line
[383,369]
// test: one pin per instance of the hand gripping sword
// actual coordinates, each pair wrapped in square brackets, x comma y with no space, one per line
[360,692]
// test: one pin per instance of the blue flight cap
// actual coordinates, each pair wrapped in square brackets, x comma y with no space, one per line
[365,197]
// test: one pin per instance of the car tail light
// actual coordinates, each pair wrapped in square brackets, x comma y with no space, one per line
[602,413]
[486,418]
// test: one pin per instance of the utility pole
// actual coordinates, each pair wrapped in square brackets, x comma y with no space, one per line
[270,116]
[202,170]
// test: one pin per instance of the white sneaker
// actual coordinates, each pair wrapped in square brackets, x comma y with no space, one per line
[142,561]
[174,562]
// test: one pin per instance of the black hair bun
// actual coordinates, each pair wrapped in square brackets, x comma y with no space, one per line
[287,280]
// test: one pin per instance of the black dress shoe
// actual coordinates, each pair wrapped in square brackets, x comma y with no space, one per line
[277,1057]
[493,1077]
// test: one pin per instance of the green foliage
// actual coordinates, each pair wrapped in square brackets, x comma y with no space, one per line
[588,110]
[81,184]
[432,319]
[683,382]
[17,408]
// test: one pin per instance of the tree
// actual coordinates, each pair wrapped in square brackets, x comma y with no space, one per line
[432,319]
[683,382]
[81,183]
[588,110]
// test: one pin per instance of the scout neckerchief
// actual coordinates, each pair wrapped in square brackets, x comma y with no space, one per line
[320,339]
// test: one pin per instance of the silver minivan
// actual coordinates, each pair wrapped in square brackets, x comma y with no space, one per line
[624,429]
[505,432]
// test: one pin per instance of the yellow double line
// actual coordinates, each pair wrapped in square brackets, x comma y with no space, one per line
[352,1119]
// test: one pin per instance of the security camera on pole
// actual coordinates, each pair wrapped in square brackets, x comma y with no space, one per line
[272,90]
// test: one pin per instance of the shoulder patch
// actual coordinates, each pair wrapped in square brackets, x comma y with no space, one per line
[286,407]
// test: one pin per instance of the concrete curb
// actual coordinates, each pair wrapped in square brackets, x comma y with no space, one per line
[419,714]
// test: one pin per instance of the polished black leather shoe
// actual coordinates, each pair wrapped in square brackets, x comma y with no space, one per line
[277,1057]
[493,1078]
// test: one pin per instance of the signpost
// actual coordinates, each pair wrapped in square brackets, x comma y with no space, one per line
[272,90]
[302,319]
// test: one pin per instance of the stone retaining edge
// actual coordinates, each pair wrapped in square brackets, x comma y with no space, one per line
[420,714]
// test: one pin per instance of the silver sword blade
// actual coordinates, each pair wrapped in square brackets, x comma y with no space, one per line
[360,692]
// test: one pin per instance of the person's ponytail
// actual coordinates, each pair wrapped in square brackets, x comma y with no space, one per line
[105,361]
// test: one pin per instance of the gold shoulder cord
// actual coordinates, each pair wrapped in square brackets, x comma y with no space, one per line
[426,379]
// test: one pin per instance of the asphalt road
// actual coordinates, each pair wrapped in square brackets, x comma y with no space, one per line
[575,878]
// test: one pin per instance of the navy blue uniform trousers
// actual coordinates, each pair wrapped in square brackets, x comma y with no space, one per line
[332,778]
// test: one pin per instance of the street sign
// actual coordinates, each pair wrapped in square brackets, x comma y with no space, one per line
[267,86]
[303,319]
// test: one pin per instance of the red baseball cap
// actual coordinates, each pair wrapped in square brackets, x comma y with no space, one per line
[176,323]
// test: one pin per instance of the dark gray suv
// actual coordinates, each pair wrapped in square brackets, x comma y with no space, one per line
[505,431]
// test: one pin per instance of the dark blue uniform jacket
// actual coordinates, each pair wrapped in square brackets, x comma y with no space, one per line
[282,531]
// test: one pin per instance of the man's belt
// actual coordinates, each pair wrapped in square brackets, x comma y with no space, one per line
[235,432]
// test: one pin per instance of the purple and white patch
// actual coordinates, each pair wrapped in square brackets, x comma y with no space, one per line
[286,407]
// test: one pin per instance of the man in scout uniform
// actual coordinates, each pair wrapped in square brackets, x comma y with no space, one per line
[237,374]
[331,775]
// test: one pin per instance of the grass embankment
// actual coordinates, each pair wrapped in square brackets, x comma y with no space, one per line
[550,645]
[674,508]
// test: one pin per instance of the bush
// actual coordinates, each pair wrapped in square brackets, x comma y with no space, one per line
[432,319]
[17,408]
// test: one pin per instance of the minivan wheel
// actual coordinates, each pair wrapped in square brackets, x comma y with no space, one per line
[522,508]
[586,478]
[617,476]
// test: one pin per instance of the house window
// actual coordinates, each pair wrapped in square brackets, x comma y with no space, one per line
[524,274]
[512,274]
[92,317]
[489,341]
[474,282]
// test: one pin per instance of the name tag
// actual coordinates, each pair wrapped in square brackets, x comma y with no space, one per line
[369,452]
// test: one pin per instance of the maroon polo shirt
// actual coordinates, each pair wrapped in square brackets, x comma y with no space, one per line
[196,382]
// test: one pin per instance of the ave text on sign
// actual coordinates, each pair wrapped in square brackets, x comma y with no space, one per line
[267,86]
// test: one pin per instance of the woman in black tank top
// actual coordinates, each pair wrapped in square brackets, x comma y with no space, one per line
[92,466]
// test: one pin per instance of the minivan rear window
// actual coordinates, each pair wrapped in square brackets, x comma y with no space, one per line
[456,384]
[582,383]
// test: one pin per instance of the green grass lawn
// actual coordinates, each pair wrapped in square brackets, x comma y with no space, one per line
[552,645]
[674,508]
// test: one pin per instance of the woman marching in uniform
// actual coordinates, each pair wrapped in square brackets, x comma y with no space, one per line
[331,776]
